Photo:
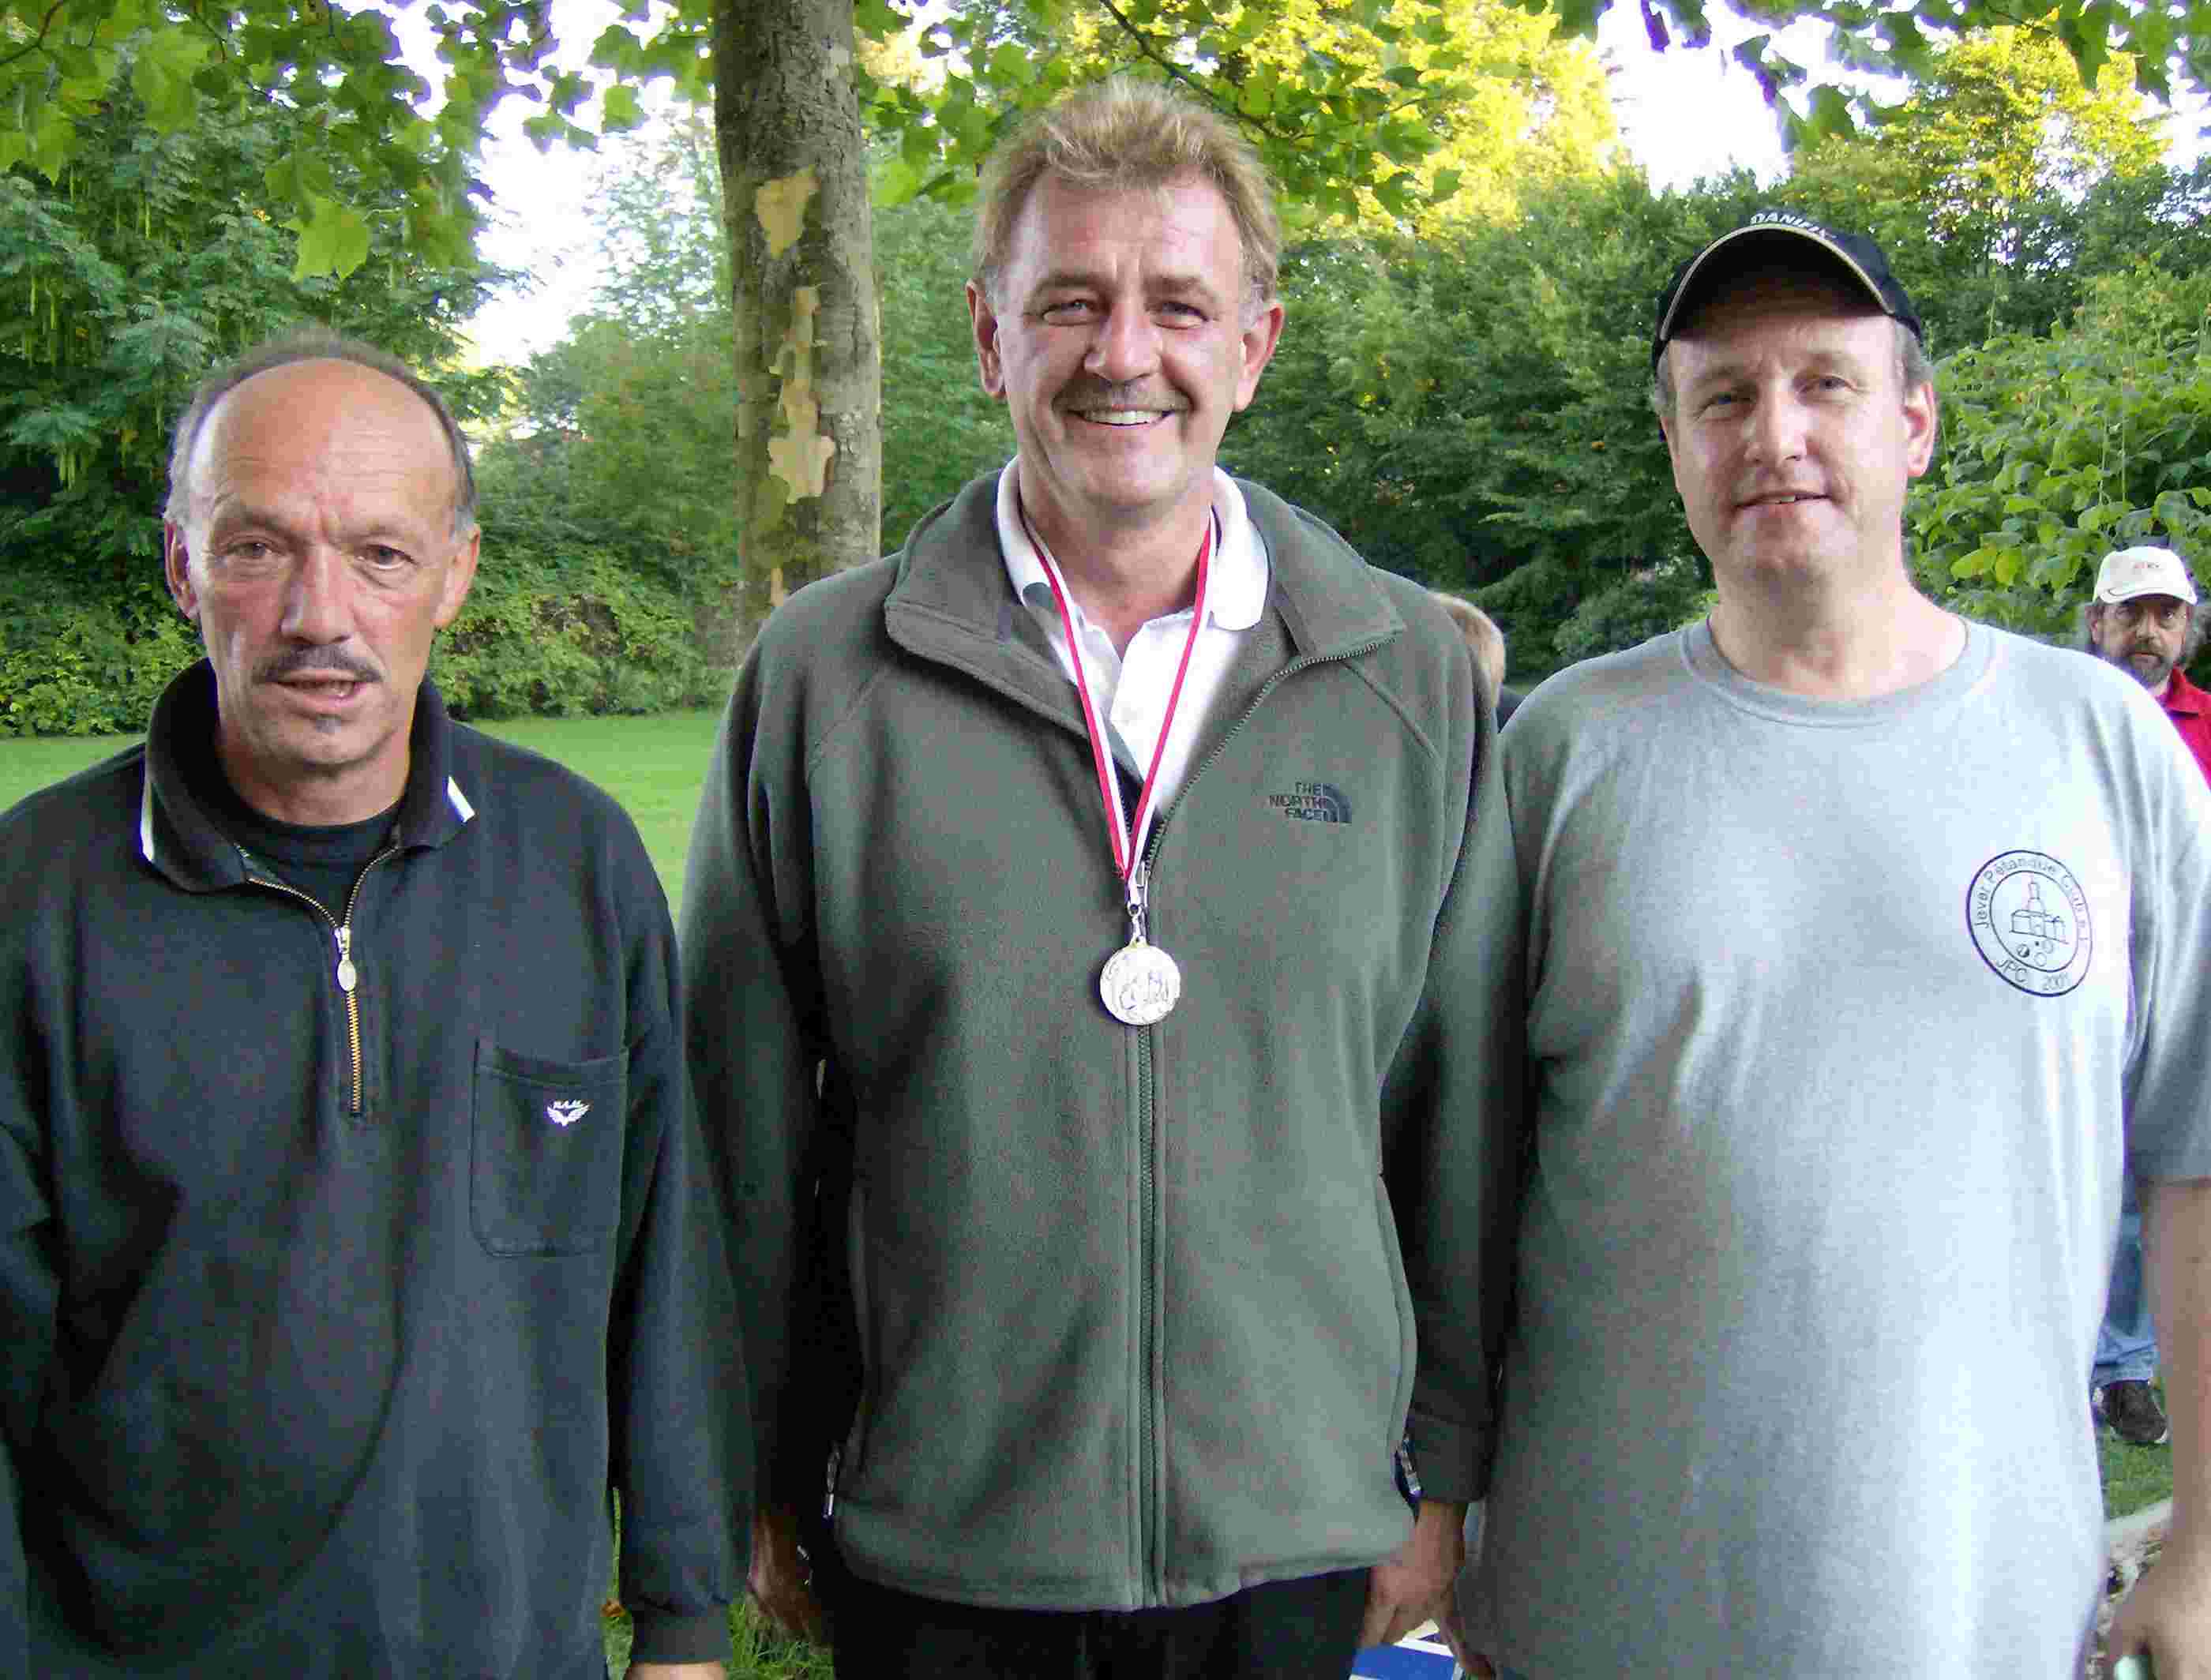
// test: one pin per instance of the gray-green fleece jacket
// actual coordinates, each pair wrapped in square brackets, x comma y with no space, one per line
[1136,1308]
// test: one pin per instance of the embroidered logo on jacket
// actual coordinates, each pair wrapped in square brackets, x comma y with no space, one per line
[1314,802]
[2029,920]
[566,1112]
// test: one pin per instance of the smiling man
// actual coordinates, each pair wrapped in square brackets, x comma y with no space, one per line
[1865,947]
[354,1239]
[1075,892]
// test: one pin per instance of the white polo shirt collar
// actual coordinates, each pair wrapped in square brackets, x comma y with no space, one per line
[1235,596]
[1236,584]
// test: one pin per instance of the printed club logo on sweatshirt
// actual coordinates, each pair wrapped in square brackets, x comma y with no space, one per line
[2029,920]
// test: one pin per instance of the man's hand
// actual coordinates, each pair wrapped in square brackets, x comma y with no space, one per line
[781,1582]
[1477,1666]
[675,1671]
[2168,1614]
[1414,1586]
[1454,1632]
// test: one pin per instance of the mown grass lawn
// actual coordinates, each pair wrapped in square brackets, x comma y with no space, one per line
[2134,1476]
[28,765]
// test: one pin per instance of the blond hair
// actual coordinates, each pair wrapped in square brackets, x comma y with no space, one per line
[1481,635]
[1120,135]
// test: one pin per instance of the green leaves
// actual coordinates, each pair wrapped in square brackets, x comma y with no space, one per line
[877,18]
[621,110]
[333,239]
[1340,98]
[122,282]
[2062,447]
[161,74]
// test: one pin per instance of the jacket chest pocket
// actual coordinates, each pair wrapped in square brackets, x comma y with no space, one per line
[546,1177]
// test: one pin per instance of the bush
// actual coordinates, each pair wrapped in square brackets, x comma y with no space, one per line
[86,655]
[78,663]
[2057,450]
[578,635]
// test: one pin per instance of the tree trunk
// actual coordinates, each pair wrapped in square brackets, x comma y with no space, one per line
[809,382]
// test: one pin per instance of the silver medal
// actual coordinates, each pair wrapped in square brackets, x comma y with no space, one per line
[1140,983]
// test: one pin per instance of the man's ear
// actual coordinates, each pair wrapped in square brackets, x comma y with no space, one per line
[460,577]
[1919,423]
[1259,336]
[988,364]
[177,567]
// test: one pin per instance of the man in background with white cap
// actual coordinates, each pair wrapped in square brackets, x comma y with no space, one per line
[2142,620]
[1863,947]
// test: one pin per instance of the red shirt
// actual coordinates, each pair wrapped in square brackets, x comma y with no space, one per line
[2190,708]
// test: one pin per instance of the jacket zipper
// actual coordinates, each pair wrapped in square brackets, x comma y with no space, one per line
[1149,1488]
[348,976]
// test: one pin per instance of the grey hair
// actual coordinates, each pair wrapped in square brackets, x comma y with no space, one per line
[1914,367]
[1125,135]
[311,344]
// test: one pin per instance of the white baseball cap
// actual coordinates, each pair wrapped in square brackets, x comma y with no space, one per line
[2128,572]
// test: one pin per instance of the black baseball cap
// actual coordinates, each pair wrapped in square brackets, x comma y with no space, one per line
[1783,235]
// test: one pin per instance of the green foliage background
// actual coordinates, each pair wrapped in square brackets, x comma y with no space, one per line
[1466,400]
[2063,447]
[120,283]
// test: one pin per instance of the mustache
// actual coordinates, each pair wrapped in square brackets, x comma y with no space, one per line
[1096,394]
[300,661]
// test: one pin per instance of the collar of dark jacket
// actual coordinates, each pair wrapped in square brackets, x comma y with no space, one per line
[953,600]
[178,837]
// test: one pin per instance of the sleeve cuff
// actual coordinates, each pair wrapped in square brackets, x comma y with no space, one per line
[1453,1462]
[666,1636]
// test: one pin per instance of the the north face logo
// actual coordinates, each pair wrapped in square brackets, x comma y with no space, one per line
[1314,802]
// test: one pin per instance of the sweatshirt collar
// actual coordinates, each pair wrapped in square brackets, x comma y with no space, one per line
[953,598]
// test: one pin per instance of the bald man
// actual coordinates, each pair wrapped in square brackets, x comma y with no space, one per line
[355,1237]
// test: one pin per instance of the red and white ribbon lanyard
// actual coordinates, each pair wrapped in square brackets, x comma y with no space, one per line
[1140,983]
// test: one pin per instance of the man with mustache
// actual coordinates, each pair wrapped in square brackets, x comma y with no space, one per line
[356,1242]
[1075,946]
[1864,947]
[2142,620]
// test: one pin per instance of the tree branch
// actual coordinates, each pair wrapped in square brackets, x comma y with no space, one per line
[38,40]
[221,38]
[1144,46]
[1176,72]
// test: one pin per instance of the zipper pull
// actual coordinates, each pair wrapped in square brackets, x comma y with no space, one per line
[348,976]
[1140,899]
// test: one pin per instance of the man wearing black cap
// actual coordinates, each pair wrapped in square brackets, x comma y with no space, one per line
[1864,945]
